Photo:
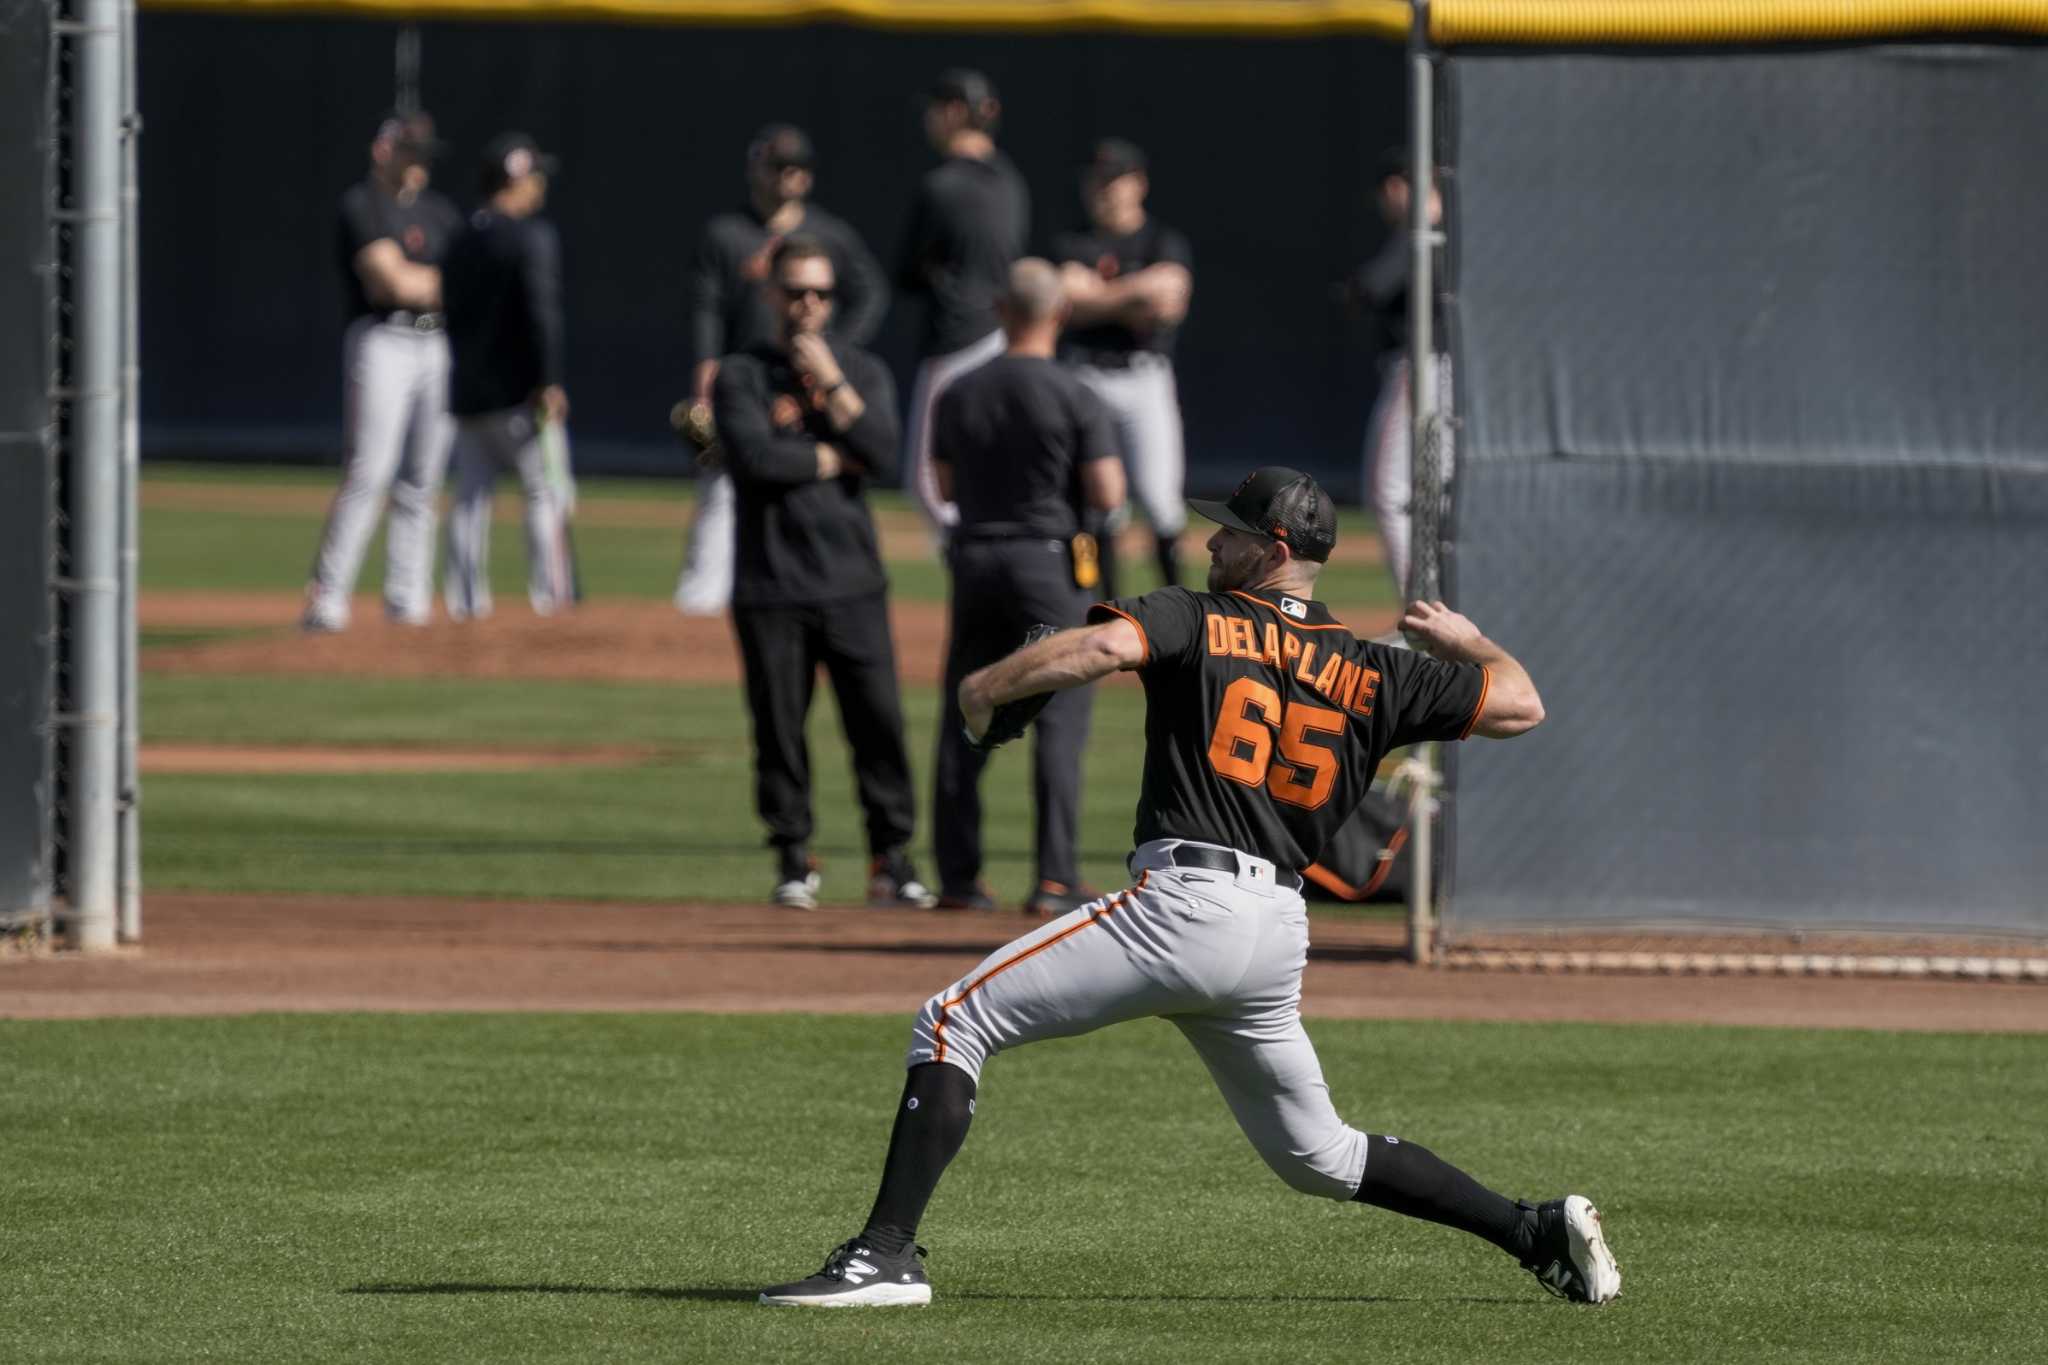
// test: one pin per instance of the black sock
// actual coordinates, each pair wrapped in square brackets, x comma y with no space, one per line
[1413,1180]
[1168,549]
[931,1123]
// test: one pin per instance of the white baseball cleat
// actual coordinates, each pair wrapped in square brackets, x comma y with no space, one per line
[855,1275]
[1570,1257]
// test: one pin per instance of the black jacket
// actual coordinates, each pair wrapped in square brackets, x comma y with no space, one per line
[802,539]
[501,289]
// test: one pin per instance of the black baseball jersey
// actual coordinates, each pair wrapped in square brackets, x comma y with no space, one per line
[969,223]
[1265,719]
[1016,432]
[729,308]
[1382,285]
[1111,256]
[801,539]
[422,228]
[501,288]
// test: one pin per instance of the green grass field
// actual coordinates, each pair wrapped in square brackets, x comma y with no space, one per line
[613,1188]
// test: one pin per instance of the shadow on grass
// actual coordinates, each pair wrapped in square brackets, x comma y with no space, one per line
[697,1293]
[725,1294]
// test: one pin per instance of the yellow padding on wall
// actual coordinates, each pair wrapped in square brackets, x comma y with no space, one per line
[1454,23]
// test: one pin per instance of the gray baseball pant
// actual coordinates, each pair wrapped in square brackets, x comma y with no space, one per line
[705,585]
[1144,401]
[934,375]
[396,434]
[1389,468]
[484,445]
[1218,955]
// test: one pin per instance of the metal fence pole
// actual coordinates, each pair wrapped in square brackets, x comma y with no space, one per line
[94,476]
[129,892]
[1424,482]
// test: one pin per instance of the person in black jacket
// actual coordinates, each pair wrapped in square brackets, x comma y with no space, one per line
[807,422]
[970,221]
[501,286]
[730,311]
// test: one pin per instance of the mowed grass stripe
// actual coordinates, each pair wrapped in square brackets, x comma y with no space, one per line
[542,1188]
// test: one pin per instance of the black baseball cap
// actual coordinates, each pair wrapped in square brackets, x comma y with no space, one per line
[1282,504]
[960,83]
[1114,159]
[411,134]
[514,156]
[781,144]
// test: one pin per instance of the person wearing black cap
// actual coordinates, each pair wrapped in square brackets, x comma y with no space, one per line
[503,281]
[730,311]
[1264,722]
[392,233]
[808,421]
[1130,277]
[1026,453]
[970,221]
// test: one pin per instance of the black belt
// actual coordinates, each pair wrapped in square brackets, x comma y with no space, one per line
[999,530]
[419,322]
[1220,860]
[1111,360]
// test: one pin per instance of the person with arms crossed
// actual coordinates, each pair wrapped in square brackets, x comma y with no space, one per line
[1129,278]
[1265,720]
[1025,451]
[730,311]
[970,221]
[503,282]
[396,431]
[807,422]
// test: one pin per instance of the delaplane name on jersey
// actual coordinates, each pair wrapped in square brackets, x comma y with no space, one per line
[1350,685]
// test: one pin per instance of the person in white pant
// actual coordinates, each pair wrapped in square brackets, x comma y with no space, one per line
[502,281]
[1381,287]
[1129,278]
[730,312]
[969,224]
[396,431]
[1266,720]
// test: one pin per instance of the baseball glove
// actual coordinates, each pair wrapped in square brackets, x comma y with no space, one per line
[1012,718]
[692,422]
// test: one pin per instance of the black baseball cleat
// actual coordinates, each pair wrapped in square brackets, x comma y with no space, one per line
[855,1275]
[975,897]
[1053,899]
[796,878]
[893,883]
[1569,1256]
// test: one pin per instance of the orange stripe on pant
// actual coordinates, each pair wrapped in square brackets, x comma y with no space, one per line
[939,1025]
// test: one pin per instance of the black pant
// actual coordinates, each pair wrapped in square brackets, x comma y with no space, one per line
[782,648]
[1002,588]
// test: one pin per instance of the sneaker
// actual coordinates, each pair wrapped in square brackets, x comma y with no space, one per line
[1570,1255]
[857,1276]
[976,897]
[1053,899]
[796,880]
[892,882]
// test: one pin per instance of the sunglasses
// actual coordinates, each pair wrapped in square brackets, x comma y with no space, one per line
[808,291]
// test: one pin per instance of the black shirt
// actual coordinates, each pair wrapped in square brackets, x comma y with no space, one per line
[969,223]
[729,308]
[1112,255]
[501,287]
[367,214]
[1382,285]
[802,539]
[1017,431]
[1265,719]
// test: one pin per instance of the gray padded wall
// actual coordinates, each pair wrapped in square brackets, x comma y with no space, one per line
[1754,475]
[25,466]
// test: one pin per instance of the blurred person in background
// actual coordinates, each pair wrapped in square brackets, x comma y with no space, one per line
[502,283]
[390,237]
[730,311]
[1128,279]
[1026,453]
[808,421]
[970,221]
[1380,288]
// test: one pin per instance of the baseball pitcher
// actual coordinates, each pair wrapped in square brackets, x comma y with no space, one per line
[1265,721]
